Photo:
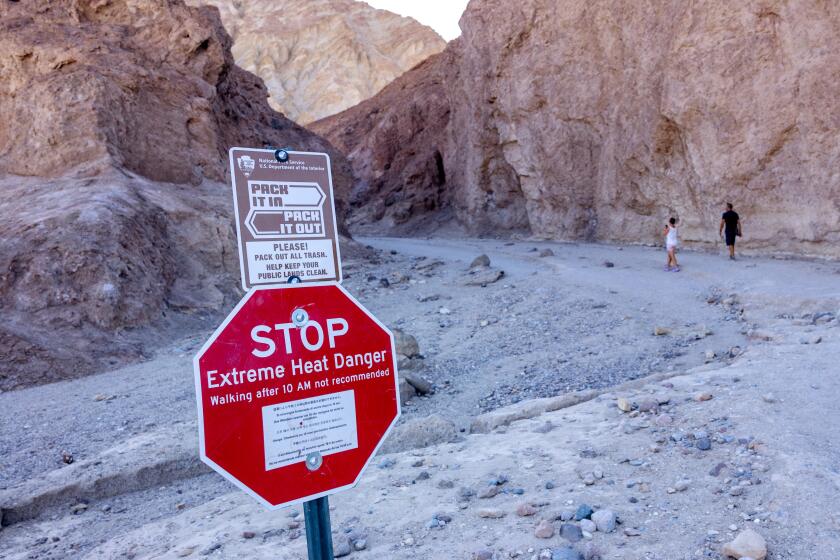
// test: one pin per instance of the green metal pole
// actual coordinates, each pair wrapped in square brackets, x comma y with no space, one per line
[318,533]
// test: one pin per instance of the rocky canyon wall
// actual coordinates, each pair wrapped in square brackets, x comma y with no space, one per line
[319,57]
[115,217]
[600,119]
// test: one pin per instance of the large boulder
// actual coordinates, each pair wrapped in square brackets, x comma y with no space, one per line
[420,432]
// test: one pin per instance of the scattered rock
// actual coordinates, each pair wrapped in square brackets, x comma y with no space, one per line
[422,386]
[591,551]
[482,276]
[76,509]
[342,548]
[588,525]
[544,530]
[748,543]
[605,520]
[664,420]
[583,512]
[465,494]
[648,405]
[702,332]
[399,278]
[525,510]
[566,553]
[546,253]
[211,549]
[661,331]
[702,397]
[490,513]
[420,432]
[609,264]
[406,391]
[703,444]
[571,532]
[482,555]
[758,334]
[66,457]
[479,261]
[488,492]
[769,398]
[624,405]
[248,534]
[682,485]
[405,343]
[717,469]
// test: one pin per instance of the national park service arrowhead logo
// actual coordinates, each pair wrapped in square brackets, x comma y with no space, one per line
[246,165]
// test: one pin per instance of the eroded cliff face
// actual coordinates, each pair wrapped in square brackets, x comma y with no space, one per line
[396,142]
[319,57]
[599,120]
[115,121]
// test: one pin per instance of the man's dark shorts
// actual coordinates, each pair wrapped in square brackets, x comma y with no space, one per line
[730,237]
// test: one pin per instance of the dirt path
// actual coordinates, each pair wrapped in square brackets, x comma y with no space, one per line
[550,325]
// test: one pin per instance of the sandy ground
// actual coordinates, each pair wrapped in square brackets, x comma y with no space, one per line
[550,326]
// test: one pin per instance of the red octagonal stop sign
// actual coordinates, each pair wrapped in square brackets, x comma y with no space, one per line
[296,390]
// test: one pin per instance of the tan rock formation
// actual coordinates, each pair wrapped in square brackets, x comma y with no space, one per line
[599,120]
[319,57]
[115,120]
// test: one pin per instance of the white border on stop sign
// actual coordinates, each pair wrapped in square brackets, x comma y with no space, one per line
[339,272]
[197,376]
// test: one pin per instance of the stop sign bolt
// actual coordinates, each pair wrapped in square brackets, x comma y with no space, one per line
[300,317]
[314,461]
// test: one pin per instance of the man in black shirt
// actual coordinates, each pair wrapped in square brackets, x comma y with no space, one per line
[730,224]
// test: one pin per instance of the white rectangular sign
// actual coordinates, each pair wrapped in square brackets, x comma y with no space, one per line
[293,430]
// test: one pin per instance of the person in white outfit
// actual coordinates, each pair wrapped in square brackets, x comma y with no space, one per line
[671,241]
